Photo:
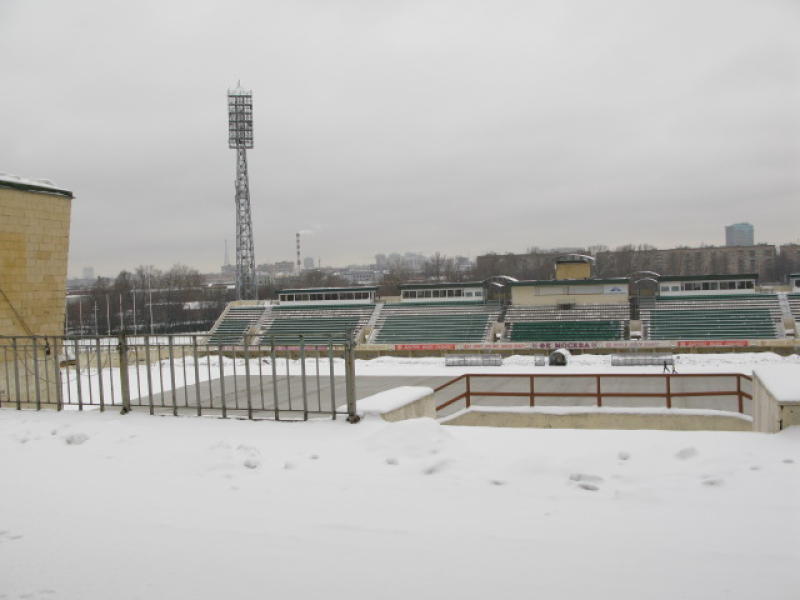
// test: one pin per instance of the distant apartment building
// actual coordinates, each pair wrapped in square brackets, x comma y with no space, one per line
[761,259]
[789,259]
[739,234]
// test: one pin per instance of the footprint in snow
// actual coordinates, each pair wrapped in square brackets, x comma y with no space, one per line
[7,536]
[585,477]
[686,453]
[788,461]
[75,439]
[590,487]
[314,457]
[497,482]
[755,468]
[622,455]
[434,468]
[392,461]
[288,466]
[713,481]
[251,463]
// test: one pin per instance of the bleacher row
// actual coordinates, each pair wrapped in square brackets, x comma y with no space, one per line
[434,323]
[587,322]
[794,305]
[750,316]
[318,326]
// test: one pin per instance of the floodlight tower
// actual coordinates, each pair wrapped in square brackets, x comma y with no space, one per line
[240,138]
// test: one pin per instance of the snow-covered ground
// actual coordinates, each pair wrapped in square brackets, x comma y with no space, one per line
[741,362]
[208,368]
[98,506]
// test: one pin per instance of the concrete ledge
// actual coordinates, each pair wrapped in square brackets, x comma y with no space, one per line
[399,404]
[776,398]
[601,418]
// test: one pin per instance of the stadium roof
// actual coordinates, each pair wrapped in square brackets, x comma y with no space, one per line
[32,185]
[441,284]
[707,277]
[541,282]
[363,288]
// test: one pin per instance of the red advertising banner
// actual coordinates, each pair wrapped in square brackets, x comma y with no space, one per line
[496,346]
[567,345]
[424,346]
[707,343]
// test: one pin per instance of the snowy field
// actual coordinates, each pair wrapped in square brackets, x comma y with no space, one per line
[99,506]
[209,368]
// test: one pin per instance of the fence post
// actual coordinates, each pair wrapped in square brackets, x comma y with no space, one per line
[598,392]
[468,393]
[247,378]
[533,391]
[174,393]
[57,373]
[350,380]
[35,354]
[669,390]
[16,373]
[124,384]
[739,393]
[196,376]
[100,373]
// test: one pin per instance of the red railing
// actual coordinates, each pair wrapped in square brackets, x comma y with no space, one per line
[668,394]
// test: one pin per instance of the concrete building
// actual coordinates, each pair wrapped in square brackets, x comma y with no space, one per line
[34,241]
[739,234]
[570,291]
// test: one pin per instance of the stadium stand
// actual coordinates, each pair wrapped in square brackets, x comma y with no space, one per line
[317,324]
[586,322]
[794,305]
[744,316]
[234,323]
[432,323]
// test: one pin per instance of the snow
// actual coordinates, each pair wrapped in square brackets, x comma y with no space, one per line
[574,410]
[782,381]
[743,362]
[208,367]
[389,400]
[45,183]
[167,508]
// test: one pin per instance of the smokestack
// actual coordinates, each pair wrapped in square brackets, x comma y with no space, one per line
[299,266]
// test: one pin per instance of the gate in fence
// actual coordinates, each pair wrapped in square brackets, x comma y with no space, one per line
[282,379]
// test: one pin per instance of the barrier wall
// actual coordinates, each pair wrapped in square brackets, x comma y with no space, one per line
[781,346]
[602,418]
[776,398]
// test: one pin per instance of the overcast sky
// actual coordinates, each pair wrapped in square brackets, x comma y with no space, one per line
[455,126]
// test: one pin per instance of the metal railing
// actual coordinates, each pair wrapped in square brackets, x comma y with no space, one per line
[287,380]
[668,393]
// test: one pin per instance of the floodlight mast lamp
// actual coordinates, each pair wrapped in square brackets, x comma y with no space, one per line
[240,138]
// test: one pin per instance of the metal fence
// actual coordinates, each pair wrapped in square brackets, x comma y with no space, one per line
[179,374]
[722,391]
